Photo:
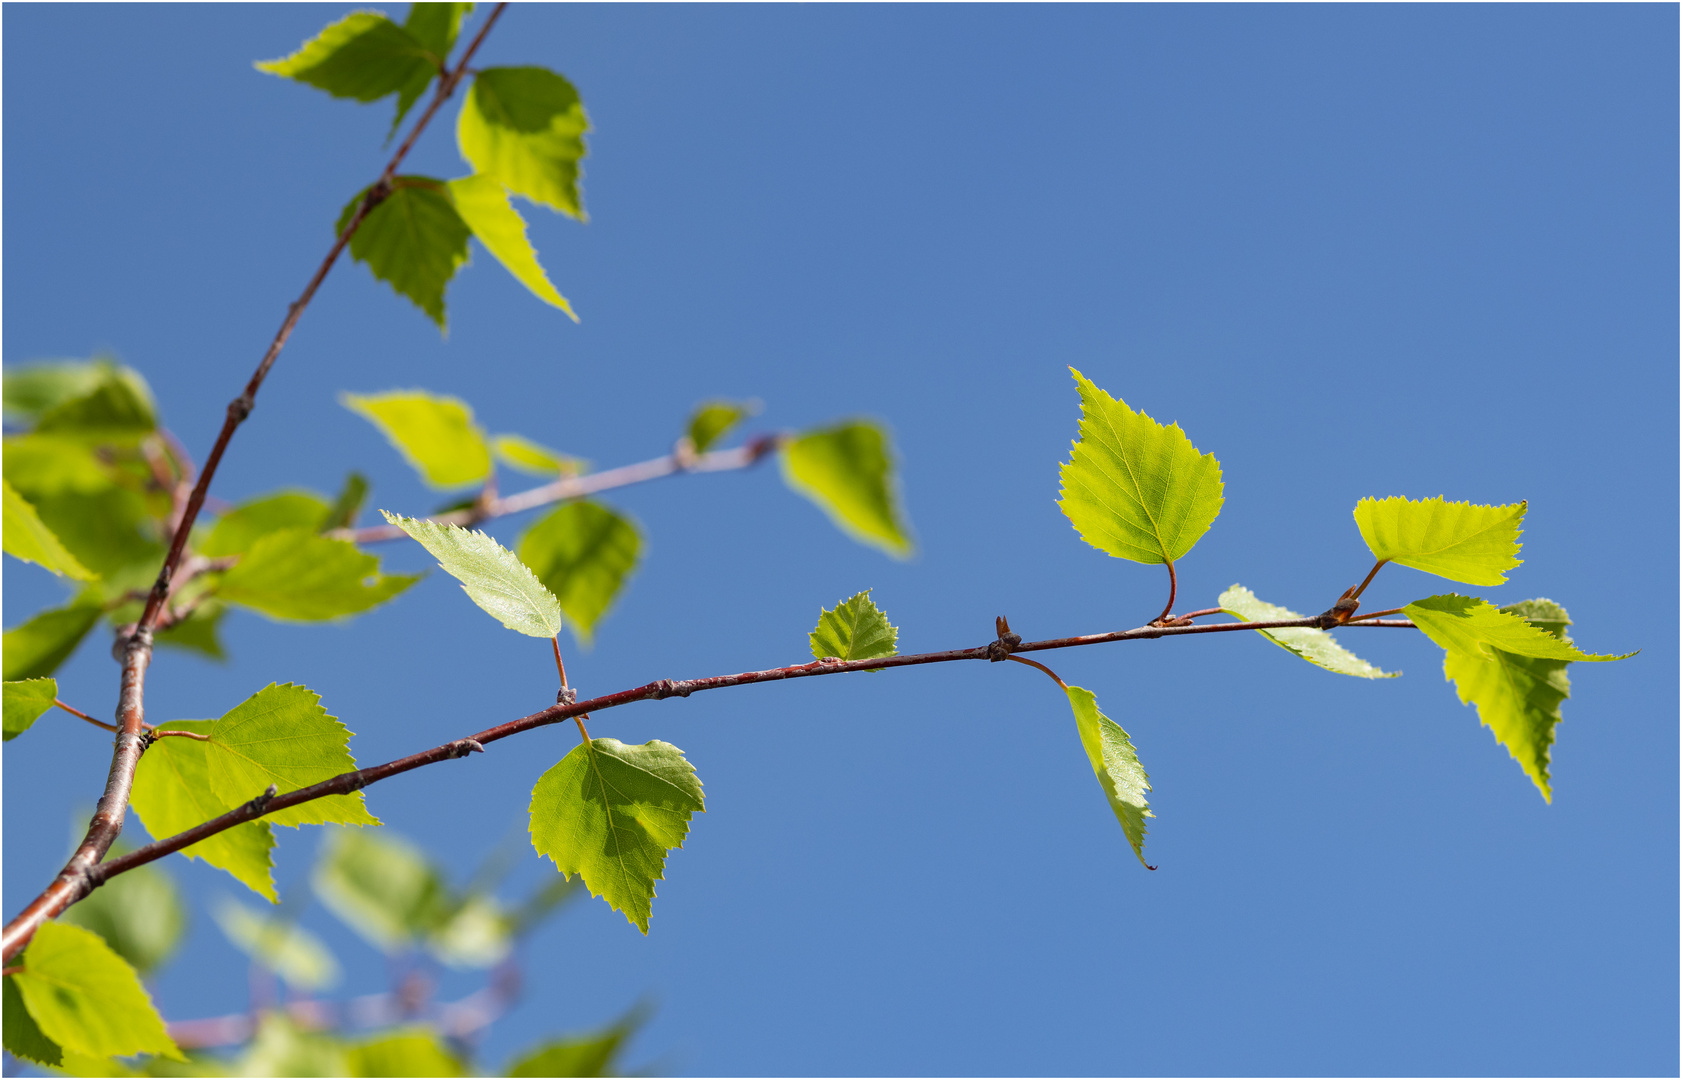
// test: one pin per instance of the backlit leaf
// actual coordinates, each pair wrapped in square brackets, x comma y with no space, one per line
[435,26]
[1116,764]
[200,632]
[1465,624]
[582,552]
[483,203]
[610,813]
[282,736]
[418,1052]
[363,56]
[525,126]
[1133,487]
[297,575]
[435,433]
[31,390]
[848,471]
[26,538]
[23,1036]
[40,645]
[856,629]
[535,458]
[478,934]
[117,408]
[347,505]
[587,1055]
[414,240]
[86,998]
[41,465]
[111,532]
[1312,644]
[381,886]
[253,519]
[1459,541]
[490,574]
[712,420]
[138,913]
[282,1048]
[24,703]
[279,944]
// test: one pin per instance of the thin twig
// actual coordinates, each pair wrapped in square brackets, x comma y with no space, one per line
[1173,587]
[1375,615]
[1362,587]
[85,716]
[1035,663]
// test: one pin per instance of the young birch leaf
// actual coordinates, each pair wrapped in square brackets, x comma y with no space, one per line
[435,26]
[535,458]
[87,999]
[490,574]
[364,56]
[712,420]
[299,576]
[282,736]
[139,914]
[525,126]
[856,629]
[26,538]
[382,887]
[435,433]
[281,945]
[407,1053]
[1456,540]
[414,241]
[848,471]
[482,202]
[583,553]
[610,812]
[172,794]
[1314,645]
[1116,764]
[1477,628]
[40,645]
[240,528]
[1135,488]
[23,1038]
[24,702]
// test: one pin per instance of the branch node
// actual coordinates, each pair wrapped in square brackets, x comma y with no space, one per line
[261,802]
[240,407]
[1340,612]
[666,688]
[462,747]
[566,695]
[1006,643]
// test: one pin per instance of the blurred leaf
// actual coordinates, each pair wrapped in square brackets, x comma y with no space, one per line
[86,998]
[548,898]
[278,944]
[1459,541]
[848,471]
[1465,624]
[116,408]
[417,1052]
[435,27]
[282,736]
[363,56]
[33,389]
[199,632]
[282,1049]
[414,240]
[1116,764]
[434,433]
[490,574]
[40,645]
[711,420]
[41,465]
[525,126]
[23,1038]
[25,701]
[254,519]
[1316,646]
[855,630]
[582,552]
[483,204]
[111,532]
[381,886]
[587,1055]
[297,575]
[26,538]
[139,914]
[347,505]
[477,934]
[535,458]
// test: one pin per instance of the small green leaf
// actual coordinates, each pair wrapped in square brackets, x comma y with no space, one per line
[297,575]
[282,736]
[582,552]
[1135,488]
[525,126]
[26,538]
[418,1052]
[25,701]
[347,505]
[712,420]
[587,1055]
[254,519]
[1465,624]
[23,1037]
[483,203]
[535,458]
[856,629]
[172,794]
[364,56]
[87,999]
[610,813]
[1314,645]
[116,409]
[414,240]
[434,433]
[382,887]
[1456,540]
[848,471]
[435,26]
[281,945]
[40,645]
[1116,764]
[490,575]
[31,390]
[138,913]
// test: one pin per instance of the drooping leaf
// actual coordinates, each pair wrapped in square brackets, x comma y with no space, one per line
[117,408]
[31,390]
[199,632]
[525,126]
[855,629]
[1465,624]
[712,420]
[381,886]
[535,458]
[1116,764]
[435,433]
[40,645]
[1312,644]
[25,701]
[347,505]
[582,552]
[86,998]
[435,26]
[1459,541]
[490,575]
[610,812]
[281,735]
[26,538]
[1135,488]
[254,519]
[414,241]
[172,794]
[139,914]
[416,1052]
[297,575]
[364,56]
[595,1054]
[281,945]
[848,471]
[23,1037]
[483,203]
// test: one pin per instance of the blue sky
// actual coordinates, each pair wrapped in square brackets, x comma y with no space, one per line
[1353,251]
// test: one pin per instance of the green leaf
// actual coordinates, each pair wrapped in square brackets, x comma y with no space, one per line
[610,812]
[410,1053]
[1116,764]
[111,532]
[297,575]
[435,26]
[582,552]
[24,703]
[1314,645]
[363,56]
[434,433]
[711,420]
[848,471]
[281,1048]
[414,240]
[1456,540]
[1135,488]
[138,913]
[26,538]
[525,126]
[117,408]
[44,465]
[30,390]
[483,203]
[382,887]
[535,458]
[1465,624]
[23,1037]
[347,505]
[282,736]
[856,629]
[254,519]
[479,934]
[490,575]
[281,945]
[172,794]
[40,645]
[86,998]
[587,1055]
[199,632]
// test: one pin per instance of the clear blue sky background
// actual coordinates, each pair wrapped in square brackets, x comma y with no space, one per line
[1351,250]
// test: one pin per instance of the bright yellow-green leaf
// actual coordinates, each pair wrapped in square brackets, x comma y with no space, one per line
[25,701]
[297,575]
[483,203]
[44,465]
[381,886]
[417,1052]
[535,458]
[279,944]
[281,1048]
[848,471]
[610,813]
[26,538]
[490,575]
[434,432]
[582,552]
[138,913]
[414,241]
[363,56]
[1456,540]
[1465,624]
[712,420]
[1133,487]
[1116,764]
[1314,645]
[855,629]
[23,1037]
[86,998]
[282,736]
[40,645]
[525,126]
[253,519]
